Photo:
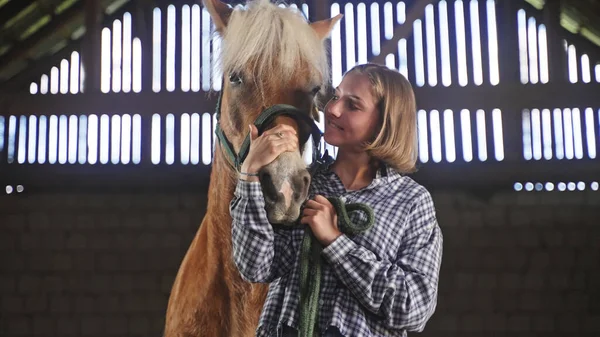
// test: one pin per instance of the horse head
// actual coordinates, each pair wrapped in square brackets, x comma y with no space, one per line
[271,56]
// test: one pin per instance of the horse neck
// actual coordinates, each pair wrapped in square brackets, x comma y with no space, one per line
[220,192]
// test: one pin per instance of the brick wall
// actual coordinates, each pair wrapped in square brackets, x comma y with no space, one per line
[515,264]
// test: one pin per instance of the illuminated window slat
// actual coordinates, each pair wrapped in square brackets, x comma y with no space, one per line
[195,139]
[170,58]
[156,50]
[388,20]
[476,42]
[53,140]
[436,136]
[104,138]
[64,76]
[481,135]
[74,73]
[403,57]
[558,134]
[418,45]
[590,133]
[572,60]
[116,55]
[63,132]
[54,77]
[375,39]
[44,84]
[461,44]
[449,140]
[136,139]
[492,42]
[82,141]
[361,32]
[12,134]
[536,134]
[522,29]
[105,61]
[170,139]
[185,139]
[31,142]
[336,49]
[137,65]
[467,142]
[431,46]
[115,140]
[526,127]
[568,133]
[185,48]
[577,133]
[2,134]
[498,134]
[72,141]
[586,75]
[350,39]
[546,134]
[206,66]
[206,139]
[126,139]
[543,44]
[444,44]
[423,138]
[532,48]
[22,143]
[43,131]
[195,49]
[156,141]
[92,139]
[127,52]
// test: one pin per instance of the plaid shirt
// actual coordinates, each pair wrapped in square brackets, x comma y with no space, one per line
[382,282]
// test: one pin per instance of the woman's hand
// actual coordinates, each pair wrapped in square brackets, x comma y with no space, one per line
[320,215]
[264,149]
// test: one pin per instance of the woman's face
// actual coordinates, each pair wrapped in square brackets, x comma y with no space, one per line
[351,116]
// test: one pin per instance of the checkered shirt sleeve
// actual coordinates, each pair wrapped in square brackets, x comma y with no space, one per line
[402,291]
[261,254]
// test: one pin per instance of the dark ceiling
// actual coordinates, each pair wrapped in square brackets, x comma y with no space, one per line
[31,31]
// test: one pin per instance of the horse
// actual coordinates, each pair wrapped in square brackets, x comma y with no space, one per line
[270,55]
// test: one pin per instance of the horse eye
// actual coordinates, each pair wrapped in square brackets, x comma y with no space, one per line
[235,79]
[315,90]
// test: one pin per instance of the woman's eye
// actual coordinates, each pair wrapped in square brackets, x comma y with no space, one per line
[334,97]
[235,79]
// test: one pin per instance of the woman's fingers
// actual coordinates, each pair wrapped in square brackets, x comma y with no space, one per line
[283,128]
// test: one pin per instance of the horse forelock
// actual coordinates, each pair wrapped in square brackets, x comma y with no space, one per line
[272,45]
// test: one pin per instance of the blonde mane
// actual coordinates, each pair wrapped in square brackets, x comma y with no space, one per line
[275,41]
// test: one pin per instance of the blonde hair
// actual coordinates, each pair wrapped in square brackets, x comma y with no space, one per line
[275,41]
[396,142]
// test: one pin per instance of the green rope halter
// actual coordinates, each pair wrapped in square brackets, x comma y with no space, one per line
[310,267]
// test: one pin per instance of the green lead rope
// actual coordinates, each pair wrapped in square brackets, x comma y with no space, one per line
[311,264]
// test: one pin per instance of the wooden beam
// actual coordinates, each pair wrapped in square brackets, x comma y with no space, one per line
[146,102]
[490,175]
[91,48]
[59,23]
[510,98]
[402,31]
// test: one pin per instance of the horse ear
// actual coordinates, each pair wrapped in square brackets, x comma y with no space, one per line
[219,12]
[324,27]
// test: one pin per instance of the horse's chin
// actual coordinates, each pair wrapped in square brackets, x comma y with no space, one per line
[287,219]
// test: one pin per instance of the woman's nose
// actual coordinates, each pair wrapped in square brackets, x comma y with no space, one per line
[333,109]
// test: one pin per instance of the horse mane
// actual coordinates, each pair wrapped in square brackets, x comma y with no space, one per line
[275,41]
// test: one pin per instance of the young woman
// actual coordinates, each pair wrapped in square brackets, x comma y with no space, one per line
[381,282]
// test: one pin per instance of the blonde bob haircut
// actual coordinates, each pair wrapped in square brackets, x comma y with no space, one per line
[396,142]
